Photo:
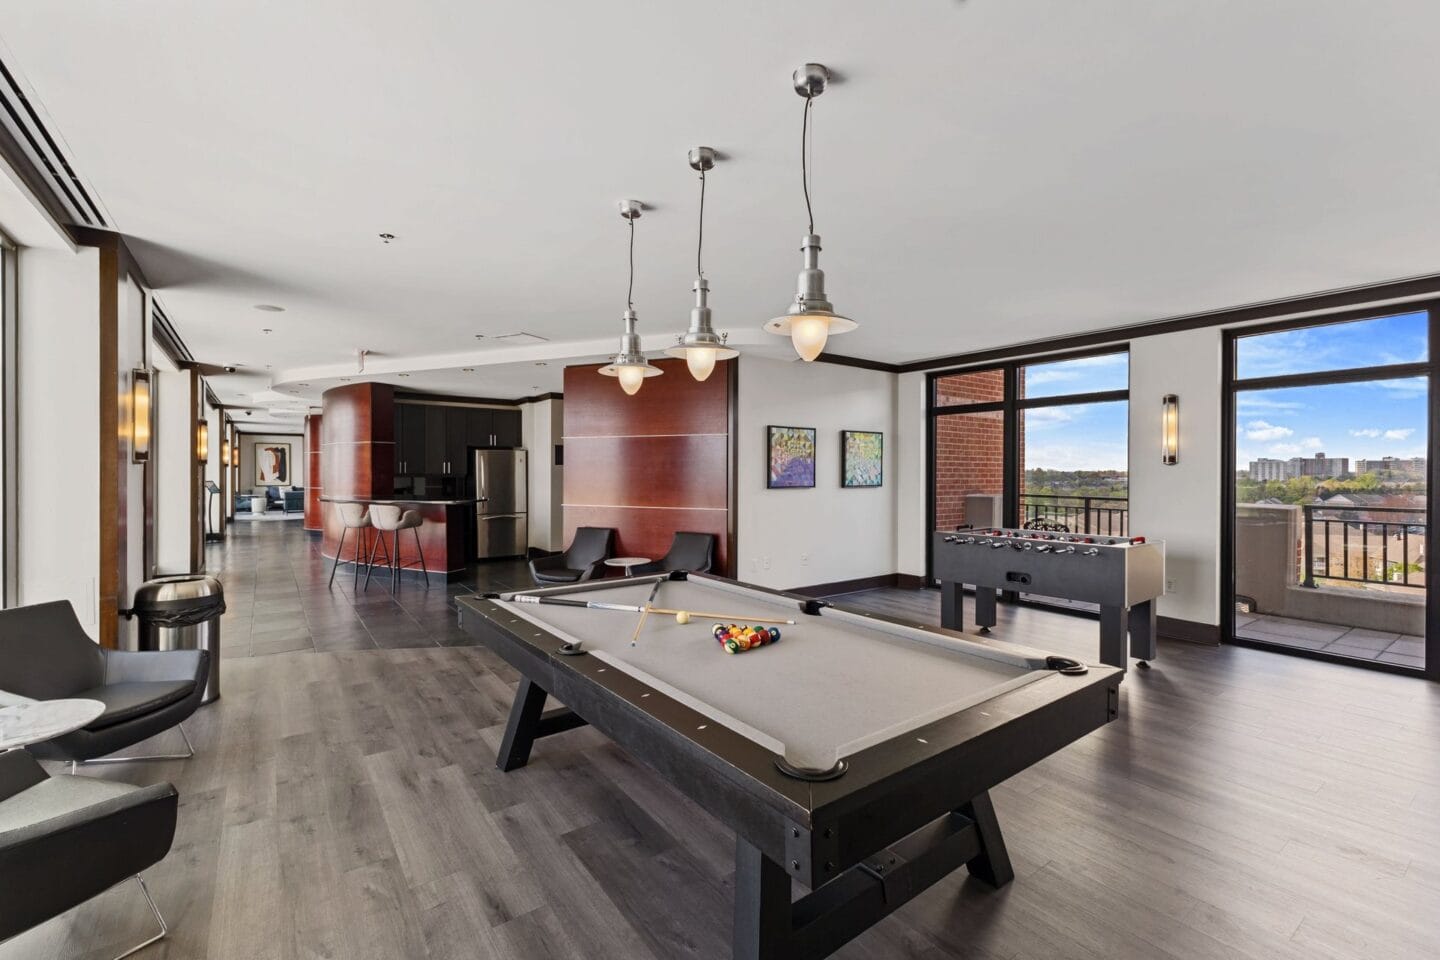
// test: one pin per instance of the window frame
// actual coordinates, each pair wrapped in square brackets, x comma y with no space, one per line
[1011,406]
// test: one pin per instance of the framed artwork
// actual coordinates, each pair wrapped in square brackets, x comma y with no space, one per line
[272,464]
[862,458]
[791,457]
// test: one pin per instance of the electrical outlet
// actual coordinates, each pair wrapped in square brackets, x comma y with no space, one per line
[804,559]
[1169,585]
[766,561]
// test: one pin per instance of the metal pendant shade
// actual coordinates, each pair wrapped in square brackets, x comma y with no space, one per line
[700,346]
[811,318]
[630,365]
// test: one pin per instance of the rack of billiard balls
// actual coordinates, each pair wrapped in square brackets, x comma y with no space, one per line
[737,638]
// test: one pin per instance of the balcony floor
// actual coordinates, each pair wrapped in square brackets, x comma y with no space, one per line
[1359,643]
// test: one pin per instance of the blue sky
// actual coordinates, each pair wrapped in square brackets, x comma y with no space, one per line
[1357,420]
[1090,436]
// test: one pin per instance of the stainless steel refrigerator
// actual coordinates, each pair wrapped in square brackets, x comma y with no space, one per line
[502,483]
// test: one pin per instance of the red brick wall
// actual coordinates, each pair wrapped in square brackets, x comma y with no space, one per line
[969,447]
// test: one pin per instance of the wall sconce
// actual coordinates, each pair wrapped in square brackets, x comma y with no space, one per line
[139,416]
[202,441]
[1170,429]
[225,453]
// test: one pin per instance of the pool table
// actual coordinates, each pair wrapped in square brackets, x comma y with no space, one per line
[855,755]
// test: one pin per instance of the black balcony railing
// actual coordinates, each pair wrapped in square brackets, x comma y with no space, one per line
[1364,544]
[1106,516]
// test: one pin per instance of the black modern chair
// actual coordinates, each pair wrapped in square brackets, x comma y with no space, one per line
[64,840]
[694,552]
[581,562]
[46,655]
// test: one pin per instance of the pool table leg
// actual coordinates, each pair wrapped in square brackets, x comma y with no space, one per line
[1112,636]
[762,906]
[529,720]
[992,863]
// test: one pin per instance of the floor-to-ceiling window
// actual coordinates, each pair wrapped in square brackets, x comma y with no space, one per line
[8,412]
[1330,438]
[1041,444]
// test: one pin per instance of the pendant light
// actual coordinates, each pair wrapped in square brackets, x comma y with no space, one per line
[811,319]
[701,346]
[630,364]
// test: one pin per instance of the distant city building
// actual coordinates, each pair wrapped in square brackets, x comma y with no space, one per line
[1320,466]
[1412,467]
[1316,466]
[1267,469]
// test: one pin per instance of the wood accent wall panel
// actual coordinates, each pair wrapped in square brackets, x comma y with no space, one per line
[654,464]
[357,449]
[113,515]
[314,479]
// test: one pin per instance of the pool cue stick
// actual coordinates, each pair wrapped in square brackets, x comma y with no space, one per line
[634,608]
[732,617]
[646,612]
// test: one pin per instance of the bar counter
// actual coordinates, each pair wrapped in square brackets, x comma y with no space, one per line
[443,536]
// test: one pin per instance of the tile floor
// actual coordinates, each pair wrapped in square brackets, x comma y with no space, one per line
[278,599]
[1358,642]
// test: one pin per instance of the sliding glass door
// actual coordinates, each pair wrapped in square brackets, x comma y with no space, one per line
[1330,449]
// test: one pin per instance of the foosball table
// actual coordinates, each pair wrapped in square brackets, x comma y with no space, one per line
[1123,575]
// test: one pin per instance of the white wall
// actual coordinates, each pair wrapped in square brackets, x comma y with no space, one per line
[247,443]
[58,367]
[541,428]
[792,538]
[170,455]
[1179,504]
[912,474]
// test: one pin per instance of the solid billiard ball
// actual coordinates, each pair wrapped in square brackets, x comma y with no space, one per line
[682,618]
[774,634]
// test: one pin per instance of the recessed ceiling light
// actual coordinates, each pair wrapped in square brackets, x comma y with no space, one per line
[344,379]
[302,384]
[266,330]
[479,336]
[404,374]
[541,363]
[467,369]
[386,237]
[269,308]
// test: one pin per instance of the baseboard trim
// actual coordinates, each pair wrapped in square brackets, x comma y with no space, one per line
[905,581]
[1191,631]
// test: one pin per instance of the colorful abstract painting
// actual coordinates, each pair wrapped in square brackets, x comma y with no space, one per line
[272,464]
[862,459]
[792,457]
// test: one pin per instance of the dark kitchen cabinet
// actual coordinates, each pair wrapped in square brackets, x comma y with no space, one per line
[409,439]
[435,440]
[505,428]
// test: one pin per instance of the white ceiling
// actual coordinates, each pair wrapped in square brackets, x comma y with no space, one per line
[988,172]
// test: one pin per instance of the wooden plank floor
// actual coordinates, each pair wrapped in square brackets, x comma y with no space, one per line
[345,804]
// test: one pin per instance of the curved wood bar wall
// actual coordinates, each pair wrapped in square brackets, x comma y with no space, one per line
[653,464]
[357,455]
[357,462]
[314,479]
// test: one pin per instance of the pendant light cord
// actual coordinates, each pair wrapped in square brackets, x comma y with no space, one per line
[805,161]
[630,290]
[700,243]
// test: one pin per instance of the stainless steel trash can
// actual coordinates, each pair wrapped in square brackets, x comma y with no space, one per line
[183,613]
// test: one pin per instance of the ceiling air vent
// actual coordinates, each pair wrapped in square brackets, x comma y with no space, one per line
[520,339]
[20,123]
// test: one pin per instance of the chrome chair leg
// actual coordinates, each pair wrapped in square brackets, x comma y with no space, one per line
[190,752]
[339,550]
[164,930]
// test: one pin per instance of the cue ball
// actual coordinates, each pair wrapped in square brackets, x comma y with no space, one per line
[682,617]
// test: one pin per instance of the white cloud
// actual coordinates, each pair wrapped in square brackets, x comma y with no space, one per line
[1262,431]
[1042,417]
[1245,403]
[1286,449]
[1312,443]
[1372,432]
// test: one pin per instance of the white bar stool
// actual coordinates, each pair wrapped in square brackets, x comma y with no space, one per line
[390,519]
[355,516]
